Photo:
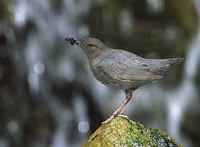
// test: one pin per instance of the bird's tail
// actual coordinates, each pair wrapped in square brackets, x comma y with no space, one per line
[167,64]
[162,66]
[173,61]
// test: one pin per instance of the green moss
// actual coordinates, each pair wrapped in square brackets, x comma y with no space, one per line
[122,132]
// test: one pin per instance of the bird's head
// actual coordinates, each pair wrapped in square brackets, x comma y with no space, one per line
[91,43]
[91,46]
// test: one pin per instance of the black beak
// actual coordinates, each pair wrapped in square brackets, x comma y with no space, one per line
[72,41]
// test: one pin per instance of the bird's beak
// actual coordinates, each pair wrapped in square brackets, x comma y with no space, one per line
[72,41]
[81,43]
[78,42]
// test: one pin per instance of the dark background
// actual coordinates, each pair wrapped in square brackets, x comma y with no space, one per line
[48,96]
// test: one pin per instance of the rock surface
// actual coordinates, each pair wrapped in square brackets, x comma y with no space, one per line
[122,132]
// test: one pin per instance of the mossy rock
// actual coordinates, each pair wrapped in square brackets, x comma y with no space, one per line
[122,132]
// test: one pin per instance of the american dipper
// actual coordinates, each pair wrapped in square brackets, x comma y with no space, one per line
[121,69]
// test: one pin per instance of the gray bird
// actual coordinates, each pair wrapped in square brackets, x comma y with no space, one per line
[121,69]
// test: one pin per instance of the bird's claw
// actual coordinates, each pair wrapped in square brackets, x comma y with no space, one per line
[108,120]
[123,116]
[112,117]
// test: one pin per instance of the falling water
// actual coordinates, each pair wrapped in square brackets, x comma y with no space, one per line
[186,93]
[40,45]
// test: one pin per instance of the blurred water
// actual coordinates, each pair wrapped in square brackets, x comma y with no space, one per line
[186,93]
[39,54]
[38,51]
[181,99]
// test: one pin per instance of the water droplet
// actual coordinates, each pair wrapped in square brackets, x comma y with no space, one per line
[39,68]
[12,126]
[83,126]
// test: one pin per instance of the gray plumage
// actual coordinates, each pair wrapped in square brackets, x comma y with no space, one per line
[124,70]
[121,69]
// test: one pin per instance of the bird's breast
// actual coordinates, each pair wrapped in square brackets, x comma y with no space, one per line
[105,78]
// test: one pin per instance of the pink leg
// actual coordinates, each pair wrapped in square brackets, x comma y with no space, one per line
[120,109]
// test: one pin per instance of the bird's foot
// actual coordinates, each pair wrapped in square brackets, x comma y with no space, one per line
[115,114]
[123,116]
[108,120]
[112,117]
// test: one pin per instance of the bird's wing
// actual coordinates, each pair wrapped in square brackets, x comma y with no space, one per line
[126,67]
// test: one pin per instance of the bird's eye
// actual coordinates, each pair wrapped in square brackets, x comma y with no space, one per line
[90,45]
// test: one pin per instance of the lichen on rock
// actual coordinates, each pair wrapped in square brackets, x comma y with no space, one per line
[122,132]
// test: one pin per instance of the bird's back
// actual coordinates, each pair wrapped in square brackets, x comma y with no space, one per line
[123,69]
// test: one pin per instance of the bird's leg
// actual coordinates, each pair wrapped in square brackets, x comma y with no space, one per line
[121,108]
